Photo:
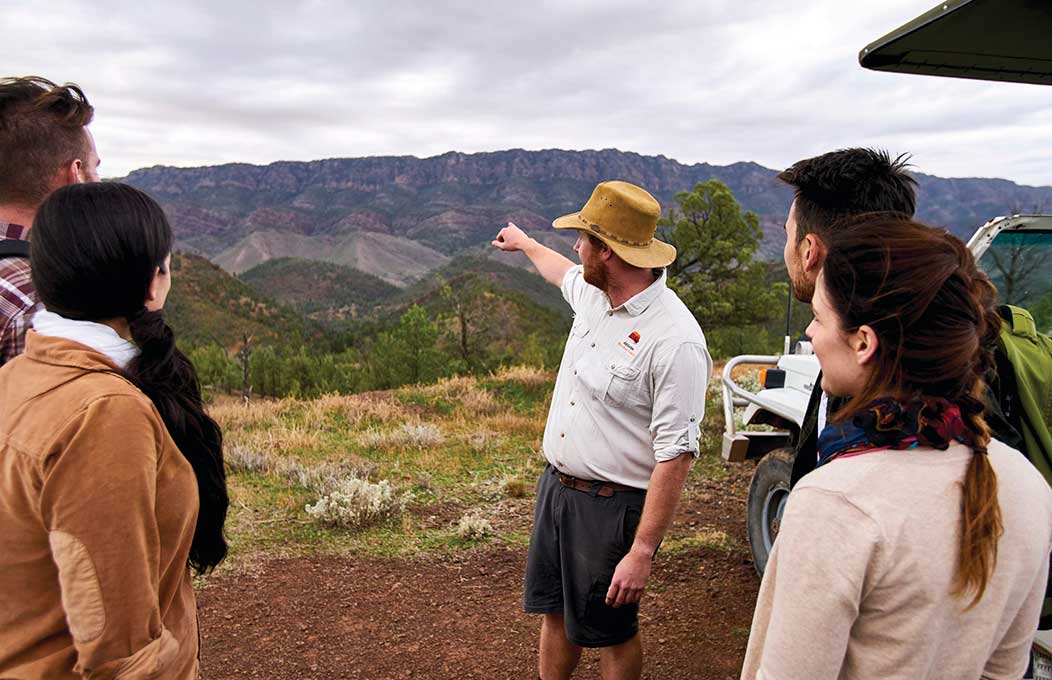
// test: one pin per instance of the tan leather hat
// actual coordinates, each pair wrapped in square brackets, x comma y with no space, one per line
[624,217]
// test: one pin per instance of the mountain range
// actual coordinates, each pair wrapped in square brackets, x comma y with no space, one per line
[398,218]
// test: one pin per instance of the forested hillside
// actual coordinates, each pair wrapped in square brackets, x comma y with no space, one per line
[320,290]
[208,305]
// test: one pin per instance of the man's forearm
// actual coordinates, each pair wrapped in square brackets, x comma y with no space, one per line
[550,265]
[666,485]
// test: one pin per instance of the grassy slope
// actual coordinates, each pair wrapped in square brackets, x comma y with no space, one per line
[207,304]
[455,445]
[462,446]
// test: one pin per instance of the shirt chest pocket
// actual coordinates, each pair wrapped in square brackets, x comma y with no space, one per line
[622,385]
[609,383]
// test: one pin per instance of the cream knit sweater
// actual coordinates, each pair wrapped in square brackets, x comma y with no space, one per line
[858,584]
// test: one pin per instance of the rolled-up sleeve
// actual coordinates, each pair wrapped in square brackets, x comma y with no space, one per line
[680,377]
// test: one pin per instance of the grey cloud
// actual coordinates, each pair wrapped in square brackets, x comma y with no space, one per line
[717,81]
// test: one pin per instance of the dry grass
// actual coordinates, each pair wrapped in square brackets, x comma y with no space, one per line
[516,487]
[467,444]
[240,458]
[231,413]
[482,441]
[364,407]
[464,392]
[320,413]
[282,439]
[511,424]
[317,477]
[705,538]
[406,435]
[479,402]
[527,375]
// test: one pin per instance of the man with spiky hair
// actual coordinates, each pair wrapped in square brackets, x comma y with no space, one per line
[44,145]
[830,188]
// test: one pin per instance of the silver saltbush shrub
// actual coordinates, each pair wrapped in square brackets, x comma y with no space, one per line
[355,502]
[474,527]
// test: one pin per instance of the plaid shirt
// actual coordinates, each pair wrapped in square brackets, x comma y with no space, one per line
[18,300]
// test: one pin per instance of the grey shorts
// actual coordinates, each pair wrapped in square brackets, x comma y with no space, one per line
[577,541]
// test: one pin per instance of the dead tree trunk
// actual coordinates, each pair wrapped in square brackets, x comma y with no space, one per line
[246,381]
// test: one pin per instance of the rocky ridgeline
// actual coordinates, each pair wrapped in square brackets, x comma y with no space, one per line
[399,217]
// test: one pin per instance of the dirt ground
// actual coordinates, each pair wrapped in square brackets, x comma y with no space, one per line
[460,616]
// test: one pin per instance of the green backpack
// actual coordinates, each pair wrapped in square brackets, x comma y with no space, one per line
[1025,377]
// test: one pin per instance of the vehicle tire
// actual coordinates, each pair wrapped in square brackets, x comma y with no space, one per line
[767,496]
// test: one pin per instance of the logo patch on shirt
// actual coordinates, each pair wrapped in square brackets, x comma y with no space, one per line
[629,346]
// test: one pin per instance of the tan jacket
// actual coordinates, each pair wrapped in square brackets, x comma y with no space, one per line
[97,509]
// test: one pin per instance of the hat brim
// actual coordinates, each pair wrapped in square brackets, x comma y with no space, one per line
[655,254]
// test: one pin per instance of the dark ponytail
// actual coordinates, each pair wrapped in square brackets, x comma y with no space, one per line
[95,250]
[168,378]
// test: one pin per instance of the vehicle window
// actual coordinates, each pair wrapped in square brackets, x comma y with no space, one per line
[1020,265]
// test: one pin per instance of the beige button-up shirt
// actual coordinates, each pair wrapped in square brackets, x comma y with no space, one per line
[631,387]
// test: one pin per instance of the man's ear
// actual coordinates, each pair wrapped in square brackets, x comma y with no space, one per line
[864,342]
[72,173]
[814,253]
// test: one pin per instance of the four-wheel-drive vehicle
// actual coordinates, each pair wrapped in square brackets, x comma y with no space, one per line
[1016,252]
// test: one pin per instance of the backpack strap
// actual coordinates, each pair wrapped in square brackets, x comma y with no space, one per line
[11,247]
[1021,321]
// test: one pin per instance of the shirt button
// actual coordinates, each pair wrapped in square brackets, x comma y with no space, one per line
[610,313]
[563,435]
[574,403]
[593,344]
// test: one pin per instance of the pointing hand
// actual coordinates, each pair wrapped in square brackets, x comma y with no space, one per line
[511,239]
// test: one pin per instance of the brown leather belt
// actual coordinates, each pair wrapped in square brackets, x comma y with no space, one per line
[605,489]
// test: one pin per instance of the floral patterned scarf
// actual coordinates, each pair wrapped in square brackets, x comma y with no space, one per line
[888,423]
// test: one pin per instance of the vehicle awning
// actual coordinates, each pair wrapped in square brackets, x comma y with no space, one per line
[1007,40]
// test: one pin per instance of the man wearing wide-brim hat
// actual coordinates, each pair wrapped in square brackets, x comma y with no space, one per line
[621,433]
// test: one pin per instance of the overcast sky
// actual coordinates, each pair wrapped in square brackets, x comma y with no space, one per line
[203,83]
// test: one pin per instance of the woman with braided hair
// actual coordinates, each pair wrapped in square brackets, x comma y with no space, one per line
[112,486]
[919,547]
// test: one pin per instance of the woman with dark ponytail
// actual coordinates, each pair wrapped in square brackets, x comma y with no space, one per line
[111,473]
[919,547]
